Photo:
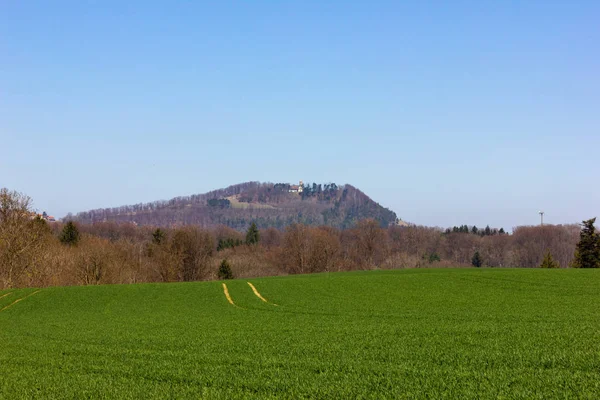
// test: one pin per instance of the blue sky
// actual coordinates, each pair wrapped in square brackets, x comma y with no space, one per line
[446,112]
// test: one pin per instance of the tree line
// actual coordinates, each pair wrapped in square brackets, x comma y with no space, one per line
[35,253]
[487,231]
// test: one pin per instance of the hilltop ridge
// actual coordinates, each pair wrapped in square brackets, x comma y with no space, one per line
[267,204]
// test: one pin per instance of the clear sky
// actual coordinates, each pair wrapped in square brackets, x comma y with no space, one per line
[447,112]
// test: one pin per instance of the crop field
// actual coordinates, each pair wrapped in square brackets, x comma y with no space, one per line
[431,333]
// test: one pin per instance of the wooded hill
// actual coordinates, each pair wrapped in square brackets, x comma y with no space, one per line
[266,204]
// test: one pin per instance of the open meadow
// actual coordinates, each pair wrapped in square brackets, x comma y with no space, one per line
[436,333]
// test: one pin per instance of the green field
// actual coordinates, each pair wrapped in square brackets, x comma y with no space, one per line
[465,333]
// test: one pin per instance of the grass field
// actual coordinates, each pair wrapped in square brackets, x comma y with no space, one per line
[489,333]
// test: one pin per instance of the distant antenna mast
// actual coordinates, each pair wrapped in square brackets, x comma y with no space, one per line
[542,217]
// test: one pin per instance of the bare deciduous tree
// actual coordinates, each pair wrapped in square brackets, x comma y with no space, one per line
[21,237]
[296,245]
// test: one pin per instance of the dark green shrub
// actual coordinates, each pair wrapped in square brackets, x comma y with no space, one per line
[225,270]
[477,261]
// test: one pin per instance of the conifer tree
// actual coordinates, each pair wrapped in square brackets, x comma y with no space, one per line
[158,236]
[225,270]
[70,234]
[549,262]
[252,235]
[477,261]
[587,252]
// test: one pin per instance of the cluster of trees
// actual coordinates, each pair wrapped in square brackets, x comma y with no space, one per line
[322,192]
[35,253]
[476,231]
[220,203]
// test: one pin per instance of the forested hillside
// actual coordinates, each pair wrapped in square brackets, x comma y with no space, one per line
[266,204]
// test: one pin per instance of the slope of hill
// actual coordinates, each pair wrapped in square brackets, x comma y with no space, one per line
[267,204]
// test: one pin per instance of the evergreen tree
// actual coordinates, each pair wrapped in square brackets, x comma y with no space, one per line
[474,230]
[488,231]
[252,235]
[501,231]
[548,262]
[225,270]
[158,236]
[70,234]
[587,252]
[477,261]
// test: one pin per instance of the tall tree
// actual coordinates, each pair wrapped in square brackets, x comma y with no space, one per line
[21,238]
[252,235]
[477,261]
[587,252]
[194,249]
[70,234]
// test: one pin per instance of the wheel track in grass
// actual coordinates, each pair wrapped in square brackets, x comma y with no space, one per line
[258,294]
[229,299]
[18,300]
[4,295]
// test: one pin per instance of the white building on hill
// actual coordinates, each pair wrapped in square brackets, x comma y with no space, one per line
[297,188]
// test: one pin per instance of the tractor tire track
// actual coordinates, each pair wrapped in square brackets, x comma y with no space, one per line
[4,295]
[259,295]
[229,299]
[18,300]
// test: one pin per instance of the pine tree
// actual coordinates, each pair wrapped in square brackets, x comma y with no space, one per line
[158,236]
[587,252]
[501,231]
[474,230]
[548,262]
[225,270]
[252,235]
[70,234]
[477,261]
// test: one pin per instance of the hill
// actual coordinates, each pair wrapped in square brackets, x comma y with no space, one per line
[267,204]
[490,333]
